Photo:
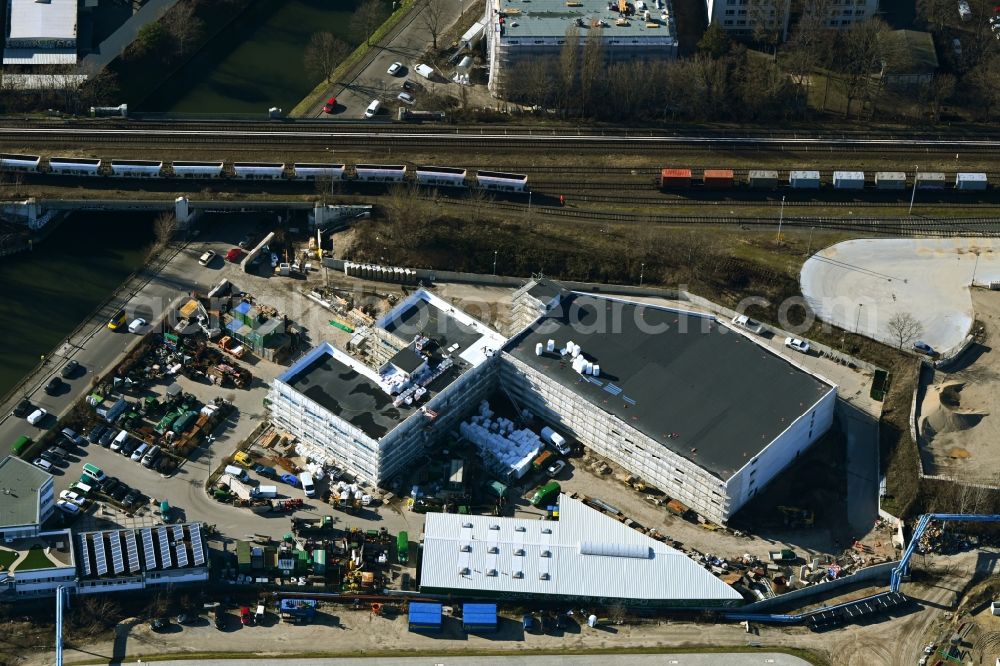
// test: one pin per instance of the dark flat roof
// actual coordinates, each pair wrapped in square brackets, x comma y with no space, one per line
[426,319]
[407,360]
[693,385]
[355,398]
[545,290]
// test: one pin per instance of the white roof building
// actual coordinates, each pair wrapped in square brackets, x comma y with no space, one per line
[41,32]
[584,556]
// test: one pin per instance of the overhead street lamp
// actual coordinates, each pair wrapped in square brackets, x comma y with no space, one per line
[781,217]
[916,174]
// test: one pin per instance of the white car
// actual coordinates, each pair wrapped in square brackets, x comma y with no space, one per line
[797,345]
[68,507]
[42,464]
[206,258]
[37,416]
[70,496]
[749,324]
[406,98]
[137,325]
[394,68]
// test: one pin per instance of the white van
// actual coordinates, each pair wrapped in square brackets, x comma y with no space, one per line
[308,487]
[373,108]
[237,472]
[425,71]
[37,416]
[119,441]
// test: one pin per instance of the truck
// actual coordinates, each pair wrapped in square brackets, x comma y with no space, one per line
[542,461]
[546,493]
[242,458]
[312,526]
[296,610]
[237,487]
[557,441]
[749,324]
[679,509]
[231,347]
[403,548]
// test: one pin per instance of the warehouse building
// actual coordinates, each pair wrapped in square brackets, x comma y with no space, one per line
[584,557]
[694,407]
[428,364]
[28,498]
[628,30]
[40,32]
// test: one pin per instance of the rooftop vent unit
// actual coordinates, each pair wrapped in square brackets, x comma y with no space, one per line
[520,528]
[492,572]
[519,552]
[543,576]
[494,549]
[546,553]
[546,530]
[494,527]
[518,574]
[464,571]
[467,525]
[466,548]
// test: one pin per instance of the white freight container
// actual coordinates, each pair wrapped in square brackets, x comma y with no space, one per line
[804,180]
[267,492]
[849,180]
[763,179]
[890,180]
[970,181]
[930,180]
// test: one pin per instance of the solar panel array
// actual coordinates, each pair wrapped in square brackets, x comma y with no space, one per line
[178,533]
[99,556]
[118,562]
[133,552]
[165,558]
[85,551]
[147,548]
[196,545]
[181,551]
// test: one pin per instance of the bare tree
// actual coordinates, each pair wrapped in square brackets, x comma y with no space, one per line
[865,52]
[433,17]
[985,82]
[904,328]
[324,53]
[367,18]
[768,19]
[164,227]
[181,23]
[569,58]
[592,66]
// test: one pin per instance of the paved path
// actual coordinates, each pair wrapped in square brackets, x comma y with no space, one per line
[730,659]
[116,42]
[369,80]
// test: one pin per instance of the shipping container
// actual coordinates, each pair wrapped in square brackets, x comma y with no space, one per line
[970,181]
[849,180]
[930,180]
[718,178]
[804,180]
[763,179]
[675,178]
[425,616]
[890,180]
[479,617]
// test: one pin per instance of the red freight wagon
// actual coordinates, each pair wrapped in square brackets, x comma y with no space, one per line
[718,178]
[675,178]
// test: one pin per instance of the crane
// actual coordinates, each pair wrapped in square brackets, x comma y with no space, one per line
[904,562]
[62,600]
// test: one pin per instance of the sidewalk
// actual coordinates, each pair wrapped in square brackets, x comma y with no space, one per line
[368,80]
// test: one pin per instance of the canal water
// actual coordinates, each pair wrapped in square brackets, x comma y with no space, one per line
[49,290]
[256,62]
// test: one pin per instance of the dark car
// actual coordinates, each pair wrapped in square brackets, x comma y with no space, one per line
[54,385]
[120,493]
[70,369]
[409,86]
[528,622]
[106,437]
[50,457]
[110,485]
[186,618]
[220,618]
[247,242]
[131,498]
[159,624]
[129,447]
[330,105]
[924,348]
[290,479]
[23,408]
[94,436]
[265,471]
[58,451]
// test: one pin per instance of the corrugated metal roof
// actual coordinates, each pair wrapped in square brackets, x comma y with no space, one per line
[484,553]
[51,19]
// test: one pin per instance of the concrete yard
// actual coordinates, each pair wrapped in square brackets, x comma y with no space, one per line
[859,285]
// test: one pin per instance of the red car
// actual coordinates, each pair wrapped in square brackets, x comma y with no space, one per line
[234,255]
[245,616]
[330,105]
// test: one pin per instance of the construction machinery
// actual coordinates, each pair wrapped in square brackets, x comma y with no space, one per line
[231,346]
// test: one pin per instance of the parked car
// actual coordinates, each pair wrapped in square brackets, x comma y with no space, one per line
[120,493]
[330,105]
[749,324]
[37,416]
[70,369]
[54,385]
[797,344]
[68,507]
[186,618]
[94,436]
[42,464]
[555,468]
[50,457]
[130,445]
[290,479]
[245,616]
[117,321]
[234,256]
[131,498]
[265,471]
[150,458]
[159,623]
[528,622]
[206,258]
[394,69]
[408,85]
[69,435]
[22,409]
[924,348]
[73,497]
[956,46]
[406,98]
[59,452]
[247,242]
[137,326]
[106,437]
[139,452]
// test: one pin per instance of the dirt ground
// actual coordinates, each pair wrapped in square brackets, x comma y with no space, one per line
[959,418]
